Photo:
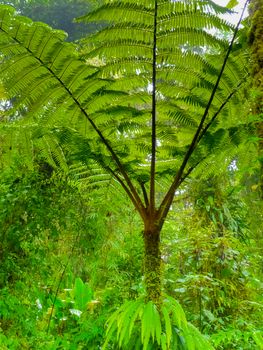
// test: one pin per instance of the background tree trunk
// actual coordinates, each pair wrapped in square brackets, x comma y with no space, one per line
[256,43]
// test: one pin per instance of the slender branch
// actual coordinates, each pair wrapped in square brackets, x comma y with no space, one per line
[190,170]
[153,155]
[139,203]
[218,111]
[145,196]
[167,201]
[184,176]
[137,199]
[126,189]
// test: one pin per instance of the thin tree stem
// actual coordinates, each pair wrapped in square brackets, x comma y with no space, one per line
[217,113]
[129,193]
[153,155]
[145,196]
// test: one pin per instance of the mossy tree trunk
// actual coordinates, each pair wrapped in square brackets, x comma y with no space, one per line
[256,44]
[152,264]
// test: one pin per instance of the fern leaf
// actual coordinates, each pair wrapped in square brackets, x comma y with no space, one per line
[178,313]
[157,324]
[123,320]
[125,11]
[168,327]
[137,313]
[147,327]
[199,342]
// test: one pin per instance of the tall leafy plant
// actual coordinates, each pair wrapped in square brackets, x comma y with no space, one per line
[150,101]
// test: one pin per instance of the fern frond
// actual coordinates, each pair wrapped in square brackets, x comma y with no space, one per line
[106,95]
[139,320]
[206,6]
[140,12]
[189,19]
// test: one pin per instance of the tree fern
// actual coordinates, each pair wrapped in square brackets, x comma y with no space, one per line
[150,100]
[43,73]
[181,72]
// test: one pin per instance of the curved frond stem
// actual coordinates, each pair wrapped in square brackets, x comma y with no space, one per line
[145,196]
[136,198]
[203,132]
[126,189]
[190,170]
[168,198]
[132,190]
[153,155]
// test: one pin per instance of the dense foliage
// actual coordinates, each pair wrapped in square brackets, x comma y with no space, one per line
[113,156]
[80,251]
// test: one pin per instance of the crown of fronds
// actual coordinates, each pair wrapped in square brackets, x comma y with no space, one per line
[172,49]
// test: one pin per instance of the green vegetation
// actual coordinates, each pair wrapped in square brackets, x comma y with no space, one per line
[58,14]
[130,215]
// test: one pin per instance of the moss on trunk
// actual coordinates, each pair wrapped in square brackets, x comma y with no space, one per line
[256,44]
[152,266]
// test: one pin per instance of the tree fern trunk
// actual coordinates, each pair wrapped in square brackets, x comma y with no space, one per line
[152,265]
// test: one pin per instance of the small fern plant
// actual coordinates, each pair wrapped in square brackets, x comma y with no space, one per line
[140,325]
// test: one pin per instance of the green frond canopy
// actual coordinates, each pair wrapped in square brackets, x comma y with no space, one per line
[105,95]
